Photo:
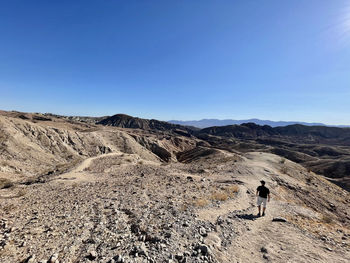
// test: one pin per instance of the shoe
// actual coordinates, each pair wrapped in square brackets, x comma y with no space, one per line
[258,215]
[263,214]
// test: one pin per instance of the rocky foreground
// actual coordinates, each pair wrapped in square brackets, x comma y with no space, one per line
[119,208]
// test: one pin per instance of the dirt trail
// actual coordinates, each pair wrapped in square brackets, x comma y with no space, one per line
[259,239]
[284,241]
[240,203]
[78,173]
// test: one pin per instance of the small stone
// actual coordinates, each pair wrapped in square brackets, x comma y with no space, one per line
[202,231]
[30,259]
[117,258]
[92,255]
[203,249]
[143,250]
[185,224]
[263,250]
[53,258]
[179,257]
[279,219]
[219,220]
[140,250]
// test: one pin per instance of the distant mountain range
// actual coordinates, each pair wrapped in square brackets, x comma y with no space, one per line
[205,123]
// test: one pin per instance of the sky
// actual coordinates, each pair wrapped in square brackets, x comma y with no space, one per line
[185,60]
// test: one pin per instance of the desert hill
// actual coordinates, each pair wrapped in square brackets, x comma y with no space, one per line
[126,121]
[75,191]
[206,123]
[324,150]
[295,133]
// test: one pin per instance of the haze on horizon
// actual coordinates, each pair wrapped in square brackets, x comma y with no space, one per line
[183,60]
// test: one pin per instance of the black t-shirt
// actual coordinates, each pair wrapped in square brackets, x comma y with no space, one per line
[263,191]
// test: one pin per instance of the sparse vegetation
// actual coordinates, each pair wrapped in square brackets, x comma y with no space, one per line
[232,190]
[284,169]
[224,193]
[219,196]
[3,163]
[184,207]
[201,202]
[326,219]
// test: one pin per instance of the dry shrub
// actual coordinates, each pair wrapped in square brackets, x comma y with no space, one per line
[3,136]
[284,169]
[319,227]
[283,160]
[5,183]
[3,163]
[326,219]
[184,207]
[201,202]
[232,190]
[87,169]
[219,196]
[224,193]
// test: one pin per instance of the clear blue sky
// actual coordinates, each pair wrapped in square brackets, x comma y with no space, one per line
[267,59]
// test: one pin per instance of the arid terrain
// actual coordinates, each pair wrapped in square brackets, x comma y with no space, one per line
[123,189]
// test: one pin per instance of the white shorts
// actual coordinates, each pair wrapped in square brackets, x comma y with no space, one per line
[261,200]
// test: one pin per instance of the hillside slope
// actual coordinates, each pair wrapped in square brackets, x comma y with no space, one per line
[32,145]
[324,150]
[126,121]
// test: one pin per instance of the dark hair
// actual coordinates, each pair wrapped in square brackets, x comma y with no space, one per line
[262,182]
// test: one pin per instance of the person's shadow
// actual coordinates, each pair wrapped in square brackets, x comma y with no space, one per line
[248,216]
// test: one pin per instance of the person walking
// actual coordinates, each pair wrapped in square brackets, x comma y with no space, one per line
[263,194]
